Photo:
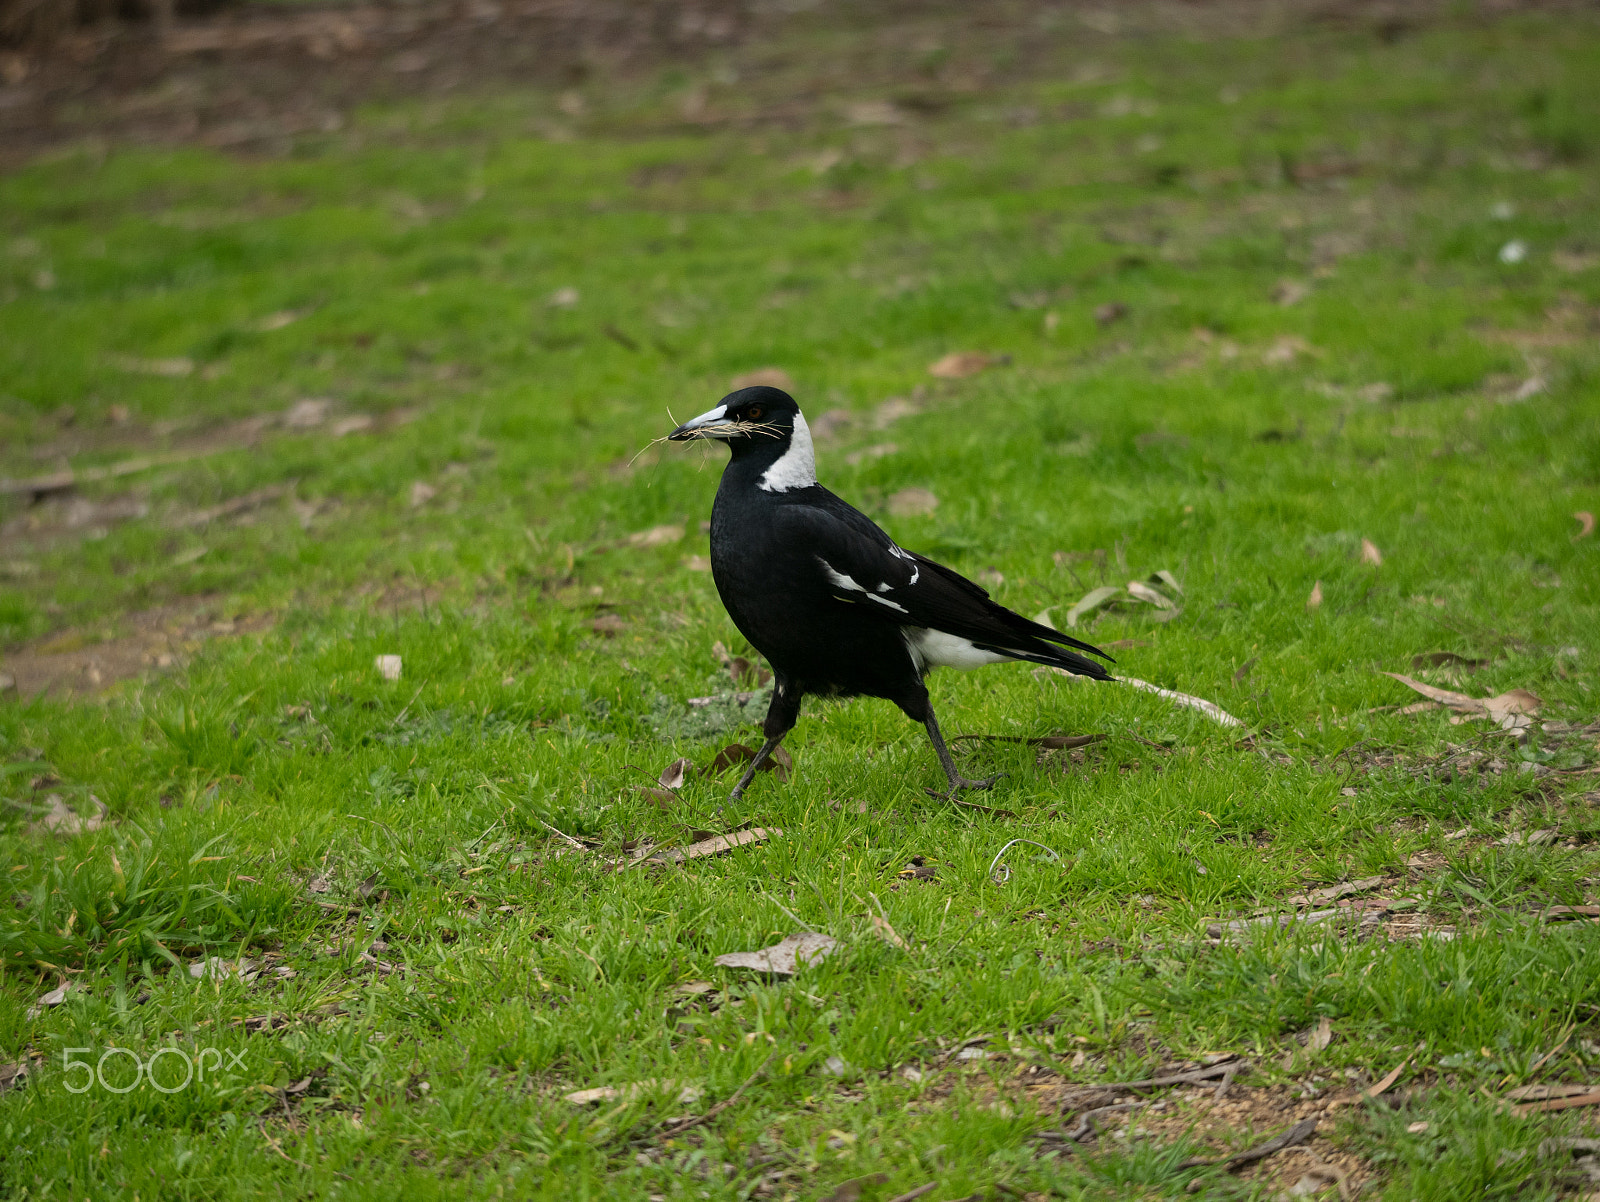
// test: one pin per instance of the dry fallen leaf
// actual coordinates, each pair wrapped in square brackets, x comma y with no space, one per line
[784,958]
[851,1190]
[693,988]
[388,666]
[875,112]
[1140,591]
[673,775]
[77,819]
[1334,892]
[1167,578]
[1557,913]
[1529,838]
[1572,1103]
[779,763]
[317,884]
[54,998]
[771,377]
[892,410]
[912,503]
[1585,524]
[656,536]
[354,424]
[1209,708]
[1320,1036]
[608,625]
[1511,710]
[1370,553]
[277,321]
[307,413]
[1090,602]
[217,969]
[1285,349]
[1290,292]
[1048,742]
[958,364]
[13,1075]
[634,1091]
[154,367]
[1315,599]
[1543,1093]
[1390,1079]
[888,934]
[715,845]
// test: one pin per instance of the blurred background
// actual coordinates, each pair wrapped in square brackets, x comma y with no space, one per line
[327,304]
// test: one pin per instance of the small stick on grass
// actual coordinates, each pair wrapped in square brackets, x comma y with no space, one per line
[1227,1068]
[562,834]
[1086,1122]
[278,1148]
[1298,1134]
[396,720]
[696,1120]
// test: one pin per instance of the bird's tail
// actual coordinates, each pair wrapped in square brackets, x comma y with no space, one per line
[1054,657]
[1039,645]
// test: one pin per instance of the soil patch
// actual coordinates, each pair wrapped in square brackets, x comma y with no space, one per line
[79,662]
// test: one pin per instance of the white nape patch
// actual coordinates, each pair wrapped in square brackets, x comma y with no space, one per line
[936,649]
[798,466]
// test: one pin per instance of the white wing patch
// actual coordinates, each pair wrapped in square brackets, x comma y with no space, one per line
[936,649]
[848,584]
[797,467]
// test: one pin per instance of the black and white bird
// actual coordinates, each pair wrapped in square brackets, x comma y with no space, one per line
[835,606]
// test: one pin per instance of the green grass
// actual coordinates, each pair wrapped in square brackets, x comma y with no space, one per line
[420,248]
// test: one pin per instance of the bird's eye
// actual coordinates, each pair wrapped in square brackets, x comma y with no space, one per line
[754,413]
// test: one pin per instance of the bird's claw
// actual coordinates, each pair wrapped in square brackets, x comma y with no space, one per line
[961,782]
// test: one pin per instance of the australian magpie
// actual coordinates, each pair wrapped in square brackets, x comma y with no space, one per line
[836,607]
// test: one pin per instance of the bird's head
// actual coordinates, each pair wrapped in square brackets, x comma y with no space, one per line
[747,418]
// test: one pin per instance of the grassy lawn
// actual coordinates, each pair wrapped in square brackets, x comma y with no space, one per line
[1309,321]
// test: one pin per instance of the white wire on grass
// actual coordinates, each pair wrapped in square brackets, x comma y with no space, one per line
[996,861]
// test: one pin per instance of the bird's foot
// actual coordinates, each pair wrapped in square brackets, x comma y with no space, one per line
[960,783]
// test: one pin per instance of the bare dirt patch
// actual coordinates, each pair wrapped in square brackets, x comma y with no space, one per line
[80,662]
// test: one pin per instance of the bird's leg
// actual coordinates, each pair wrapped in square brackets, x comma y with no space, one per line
[781,716]
[767,749]
[957,781]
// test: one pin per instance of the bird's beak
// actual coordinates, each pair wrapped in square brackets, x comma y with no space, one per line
[695,427]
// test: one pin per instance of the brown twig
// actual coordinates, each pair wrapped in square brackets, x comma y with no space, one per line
[1298,1134]
[1539,1063]
[1226,1069]
[1086,1121]
[278,1148]
[695,1120]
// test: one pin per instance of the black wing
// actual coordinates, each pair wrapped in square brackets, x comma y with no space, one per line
[863,567]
